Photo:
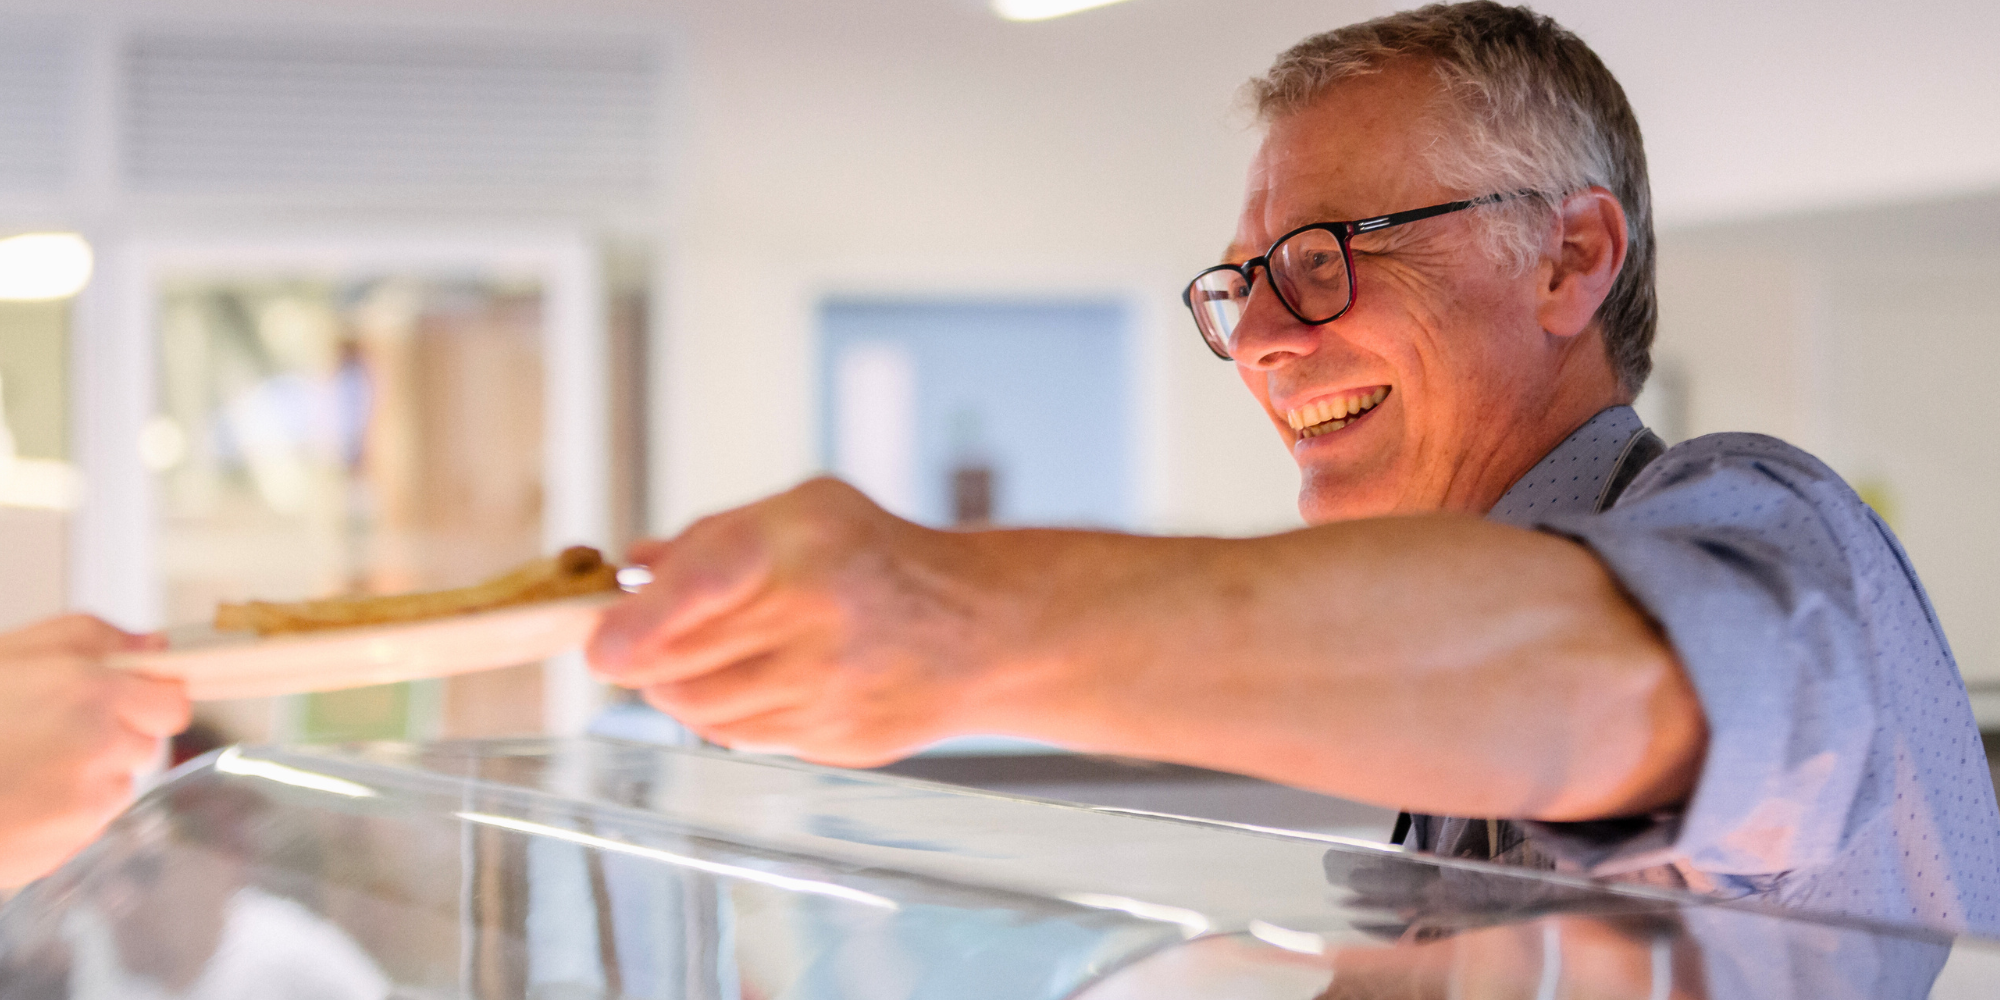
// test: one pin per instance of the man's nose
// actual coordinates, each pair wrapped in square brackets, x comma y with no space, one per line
[1268,335]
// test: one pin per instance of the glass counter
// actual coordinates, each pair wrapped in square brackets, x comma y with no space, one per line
[597,869]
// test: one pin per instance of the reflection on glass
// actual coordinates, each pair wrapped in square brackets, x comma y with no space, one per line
[373,436]
[592,869]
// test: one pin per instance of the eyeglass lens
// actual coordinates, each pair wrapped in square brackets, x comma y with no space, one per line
[1218,297]
[1309,271]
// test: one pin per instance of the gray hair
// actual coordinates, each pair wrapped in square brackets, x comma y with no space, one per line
[1526,106]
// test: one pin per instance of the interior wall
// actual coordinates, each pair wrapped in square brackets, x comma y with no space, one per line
[1736,341]
[1783,106]
[1868,337]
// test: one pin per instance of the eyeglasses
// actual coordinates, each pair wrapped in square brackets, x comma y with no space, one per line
[1311,268]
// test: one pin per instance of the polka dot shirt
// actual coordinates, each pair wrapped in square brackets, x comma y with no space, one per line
[1844,771]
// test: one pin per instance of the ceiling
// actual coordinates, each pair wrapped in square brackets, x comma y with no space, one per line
[1750,109]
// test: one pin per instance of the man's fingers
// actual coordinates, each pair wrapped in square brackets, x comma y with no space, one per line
[777,731]
[634,633]
[628,636]
[647,551]
[708,571]
[145,642]
[151,706]
[745,634]
[742,690]
[802,733]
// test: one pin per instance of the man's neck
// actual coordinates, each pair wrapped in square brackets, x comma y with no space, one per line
[1583,388]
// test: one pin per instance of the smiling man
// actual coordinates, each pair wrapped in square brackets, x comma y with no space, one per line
[1707,666]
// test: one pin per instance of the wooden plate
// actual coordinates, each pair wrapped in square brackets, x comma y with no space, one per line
[241,665]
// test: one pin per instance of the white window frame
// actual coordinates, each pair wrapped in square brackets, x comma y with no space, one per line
[114,569]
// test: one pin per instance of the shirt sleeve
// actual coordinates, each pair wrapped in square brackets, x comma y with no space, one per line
[1754,559]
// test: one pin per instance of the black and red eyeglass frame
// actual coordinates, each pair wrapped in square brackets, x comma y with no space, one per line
[1342,232]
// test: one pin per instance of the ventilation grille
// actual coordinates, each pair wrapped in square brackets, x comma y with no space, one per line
[212,115]
[35,75]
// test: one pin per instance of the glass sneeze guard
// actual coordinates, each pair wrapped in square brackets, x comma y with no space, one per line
[599,869]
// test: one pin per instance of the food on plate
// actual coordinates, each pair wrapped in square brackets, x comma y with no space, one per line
[574,572]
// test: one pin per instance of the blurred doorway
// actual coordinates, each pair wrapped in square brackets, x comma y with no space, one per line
[967,413]
[319,417]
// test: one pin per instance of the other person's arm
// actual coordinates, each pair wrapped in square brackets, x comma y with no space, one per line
[72,731]
[1438,663]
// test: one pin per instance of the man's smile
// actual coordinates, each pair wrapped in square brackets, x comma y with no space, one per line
[1331,413]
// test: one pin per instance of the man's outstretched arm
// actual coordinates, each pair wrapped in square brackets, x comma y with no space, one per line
[1438,663]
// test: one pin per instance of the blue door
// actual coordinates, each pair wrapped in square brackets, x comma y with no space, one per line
[975,412]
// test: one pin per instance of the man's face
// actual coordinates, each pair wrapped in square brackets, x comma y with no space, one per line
[1443,334]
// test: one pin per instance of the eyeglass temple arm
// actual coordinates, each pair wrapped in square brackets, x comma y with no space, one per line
[1415,214]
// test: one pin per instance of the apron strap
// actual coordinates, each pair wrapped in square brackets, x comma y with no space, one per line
[1639,452]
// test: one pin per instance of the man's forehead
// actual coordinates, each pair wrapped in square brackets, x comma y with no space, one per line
[1354,152]
[1257,231]
[1261,228]
[1278,203]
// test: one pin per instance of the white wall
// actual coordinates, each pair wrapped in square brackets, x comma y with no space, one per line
[1752,109]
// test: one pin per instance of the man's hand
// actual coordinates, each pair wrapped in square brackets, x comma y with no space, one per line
[72,731]
[813,622]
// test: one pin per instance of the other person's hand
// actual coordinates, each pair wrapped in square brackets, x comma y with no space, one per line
[813,622]
[72,732]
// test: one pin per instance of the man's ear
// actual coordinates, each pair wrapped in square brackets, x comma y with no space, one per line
[1590,250]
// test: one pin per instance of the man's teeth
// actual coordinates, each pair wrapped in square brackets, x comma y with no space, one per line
[1333,414]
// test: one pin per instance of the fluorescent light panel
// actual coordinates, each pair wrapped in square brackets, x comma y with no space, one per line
[1042,10]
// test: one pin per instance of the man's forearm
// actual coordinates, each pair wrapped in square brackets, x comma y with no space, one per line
[1437,663]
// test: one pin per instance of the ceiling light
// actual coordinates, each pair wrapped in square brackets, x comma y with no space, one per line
[1042,10]
[41,266]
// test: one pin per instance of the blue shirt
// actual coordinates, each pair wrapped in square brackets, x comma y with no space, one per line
[1844,771]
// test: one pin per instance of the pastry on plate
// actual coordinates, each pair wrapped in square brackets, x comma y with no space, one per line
[574,572]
